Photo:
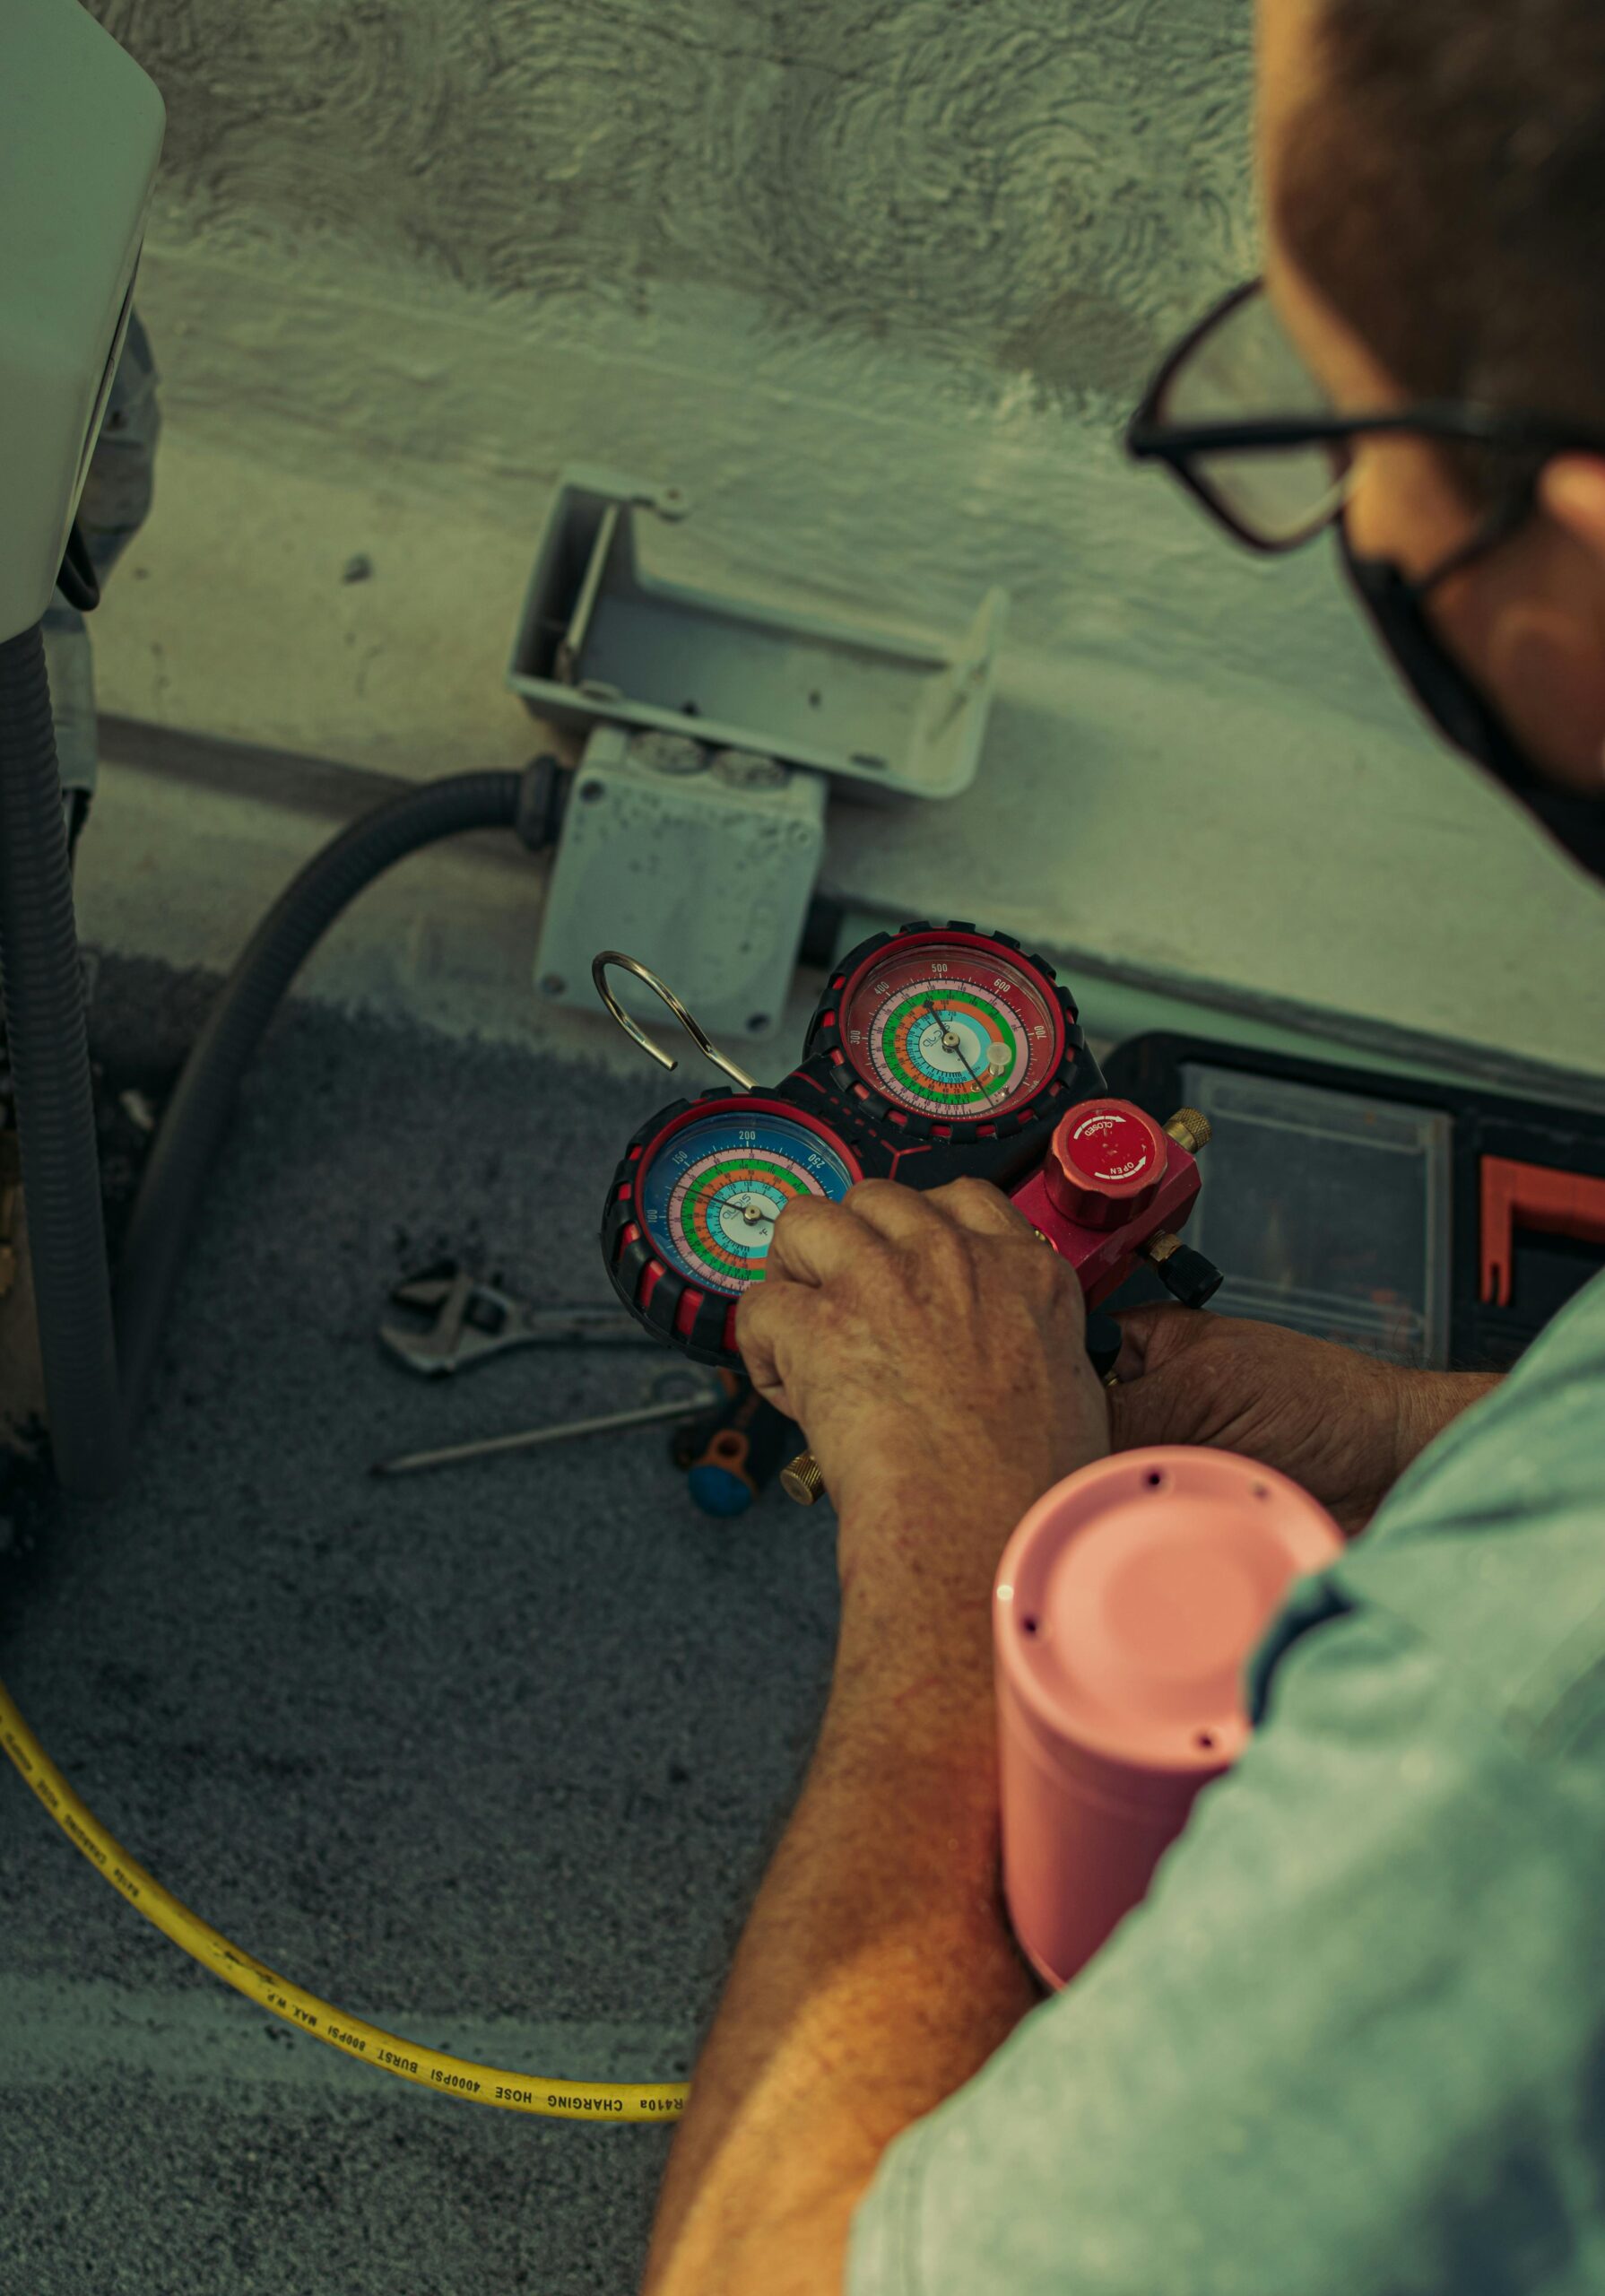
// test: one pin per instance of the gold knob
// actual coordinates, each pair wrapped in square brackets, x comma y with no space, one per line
[1188,1130]
[801,1480]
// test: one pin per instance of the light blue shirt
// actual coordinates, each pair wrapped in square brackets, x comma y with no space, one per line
[1354,2040]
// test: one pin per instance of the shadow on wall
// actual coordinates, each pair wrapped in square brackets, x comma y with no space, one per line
[1026,187]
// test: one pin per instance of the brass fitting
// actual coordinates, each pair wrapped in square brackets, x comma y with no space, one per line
[1188,1130]
[1161,1246]
[801,1480]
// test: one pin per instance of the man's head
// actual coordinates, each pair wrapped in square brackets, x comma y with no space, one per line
[1434,178]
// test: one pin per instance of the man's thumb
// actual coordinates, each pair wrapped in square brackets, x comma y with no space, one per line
[1141,1412]
[1154,1402]
[1151,1335]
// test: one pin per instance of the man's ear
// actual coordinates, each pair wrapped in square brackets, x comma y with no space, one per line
[1572,491]
[1543,647]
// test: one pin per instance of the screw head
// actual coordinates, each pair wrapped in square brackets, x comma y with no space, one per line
[748,770]
[672,754]
[801,1480]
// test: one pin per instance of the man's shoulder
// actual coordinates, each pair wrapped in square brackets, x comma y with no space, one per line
[1493,1546]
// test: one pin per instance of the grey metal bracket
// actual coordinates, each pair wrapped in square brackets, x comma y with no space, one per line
[601,640]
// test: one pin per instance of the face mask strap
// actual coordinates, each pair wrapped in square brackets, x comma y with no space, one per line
[1501,526]
[1462,714]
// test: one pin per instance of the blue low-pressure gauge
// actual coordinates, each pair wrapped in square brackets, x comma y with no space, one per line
[691,1211]
[712,1192]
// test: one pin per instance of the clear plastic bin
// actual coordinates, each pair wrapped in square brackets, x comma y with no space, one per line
[1328,1210]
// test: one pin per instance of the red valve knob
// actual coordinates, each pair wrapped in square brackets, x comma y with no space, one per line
[1106,1164]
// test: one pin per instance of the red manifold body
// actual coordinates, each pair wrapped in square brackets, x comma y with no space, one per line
[1111,1181]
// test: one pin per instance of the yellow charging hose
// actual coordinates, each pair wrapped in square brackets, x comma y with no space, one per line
[430,2068]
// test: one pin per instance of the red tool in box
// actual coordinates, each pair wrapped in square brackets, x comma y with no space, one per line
[1535,1196]
[935,1052]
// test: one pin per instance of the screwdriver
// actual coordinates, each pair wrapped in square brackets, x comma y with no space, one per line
[691,1394]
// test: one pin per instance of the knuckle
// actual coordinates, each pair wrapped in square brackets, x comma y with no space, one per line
[950,1252]
[977,1205]
[874,1191]
[970,1189]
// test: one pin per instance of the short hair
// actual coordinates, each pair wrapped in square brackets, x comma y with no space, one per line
[1446,192]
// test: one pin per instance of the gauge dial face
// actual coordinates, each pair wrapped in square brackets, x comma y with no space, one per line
[957,1034]
[712,1194]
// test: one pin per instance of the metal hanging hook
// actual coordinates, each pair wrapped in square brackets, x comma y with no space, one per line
[696,1033]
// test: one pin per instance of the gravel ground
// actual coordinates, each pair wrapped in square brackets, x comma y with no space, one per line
[494,1757]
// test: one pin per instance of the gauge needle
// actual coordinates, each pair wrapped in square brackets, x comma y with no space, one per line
[952,1042]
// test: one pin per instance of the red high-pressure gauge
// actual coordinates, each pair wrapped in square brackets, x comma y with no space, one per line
[944,1031]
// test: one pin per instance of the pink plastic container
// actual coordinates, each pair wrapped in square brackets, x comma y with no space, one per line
[1125,1608]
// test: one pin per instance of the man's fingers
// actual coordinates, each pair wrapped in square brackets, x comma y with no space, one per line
[1155,1333]
[1158,1399]
[816,1241]
[980,1207]
[1143,1411]
[1136,1324]
[771,1321]
[901,1214]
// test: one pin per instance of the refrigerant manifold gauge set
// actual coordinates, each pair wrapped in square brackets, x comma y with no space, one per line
[936,1053]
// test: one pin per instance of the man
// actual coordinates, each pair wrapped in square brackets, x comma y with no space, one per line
[1355,2038]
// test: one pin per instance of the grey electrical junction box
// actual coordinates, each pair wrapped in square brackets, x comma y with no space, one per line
[714,726]
[698,861]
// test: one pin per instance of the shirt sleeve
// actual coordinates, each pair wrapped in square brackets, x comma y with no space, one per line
[1344,2046]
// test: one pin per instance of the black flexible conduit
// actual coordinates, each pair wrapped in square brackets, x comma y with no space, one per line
[49,1059]
[198,1115]
[92,1413]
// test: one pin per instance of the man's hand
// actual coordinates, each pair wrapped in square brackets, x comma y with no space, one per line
[931,1347]
[1343,1424]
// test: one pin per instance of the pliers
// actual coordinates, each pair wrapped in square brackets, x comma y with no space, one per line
[469,1321]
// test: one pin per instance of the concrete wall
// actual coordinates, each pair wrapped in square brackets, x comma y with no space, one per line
[1029,189]
[875,282]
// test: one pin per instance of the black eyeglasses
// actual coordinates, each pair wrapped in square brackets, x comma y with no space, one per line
[1238,417]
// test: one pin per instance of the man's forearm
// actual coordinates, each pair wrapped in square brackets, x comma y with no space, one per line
[1429,1401]
[876,1975]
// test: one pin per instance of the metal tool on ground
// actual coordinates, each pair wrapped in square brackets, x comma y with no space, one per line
[936,1053]
[678,1393]
[469,1321]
